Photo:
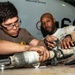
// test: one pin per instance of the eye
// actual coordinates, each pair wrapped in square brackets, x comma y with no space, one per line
[43,23]
[8,25]
[48,20]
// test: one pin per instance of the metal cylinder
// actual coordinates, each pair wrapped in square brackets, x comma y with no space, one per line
[24,58]
[32,57]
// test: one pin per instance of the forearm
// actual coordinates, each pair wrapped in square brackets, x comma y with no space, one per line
[7,47]
[73,36]
[41,43]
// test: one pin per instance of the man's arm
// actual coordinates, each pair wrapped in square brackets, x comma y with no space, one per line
[69,39]
[73,36]
[7,47]
[49,41]
[67,42]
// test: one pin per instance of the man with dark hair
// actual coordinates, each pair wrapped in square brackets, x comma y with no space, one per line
[11,35]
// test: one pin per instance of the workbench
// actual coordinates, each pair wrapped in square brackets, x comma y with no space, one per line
[42,70]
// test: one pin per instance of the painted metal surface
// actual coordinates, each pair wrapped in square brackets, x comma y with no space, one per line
[30,12]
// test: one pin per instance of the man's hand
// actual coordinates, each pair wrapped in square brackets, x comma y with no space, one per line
[50,41]
[66,42]
[43,52]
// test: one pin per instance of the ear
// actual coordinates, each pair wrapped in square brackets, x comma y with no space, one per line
[0,27]
[54,20]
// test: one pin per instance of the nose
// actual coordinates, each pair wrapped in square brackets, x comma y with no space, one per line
[14,27]
[46,24]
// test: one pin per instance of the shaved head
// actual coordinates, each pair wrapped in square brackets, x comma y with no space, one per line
[46,15]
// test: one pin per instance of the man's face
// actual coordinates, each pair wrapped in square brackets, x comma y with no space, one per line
[48,23]
[11,26]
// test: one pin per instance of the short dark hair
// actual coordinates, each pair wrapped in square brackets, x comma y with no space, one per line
[7,10]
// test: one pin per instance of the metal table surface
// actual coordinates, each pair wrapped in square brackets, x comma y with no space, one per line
[43,70]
